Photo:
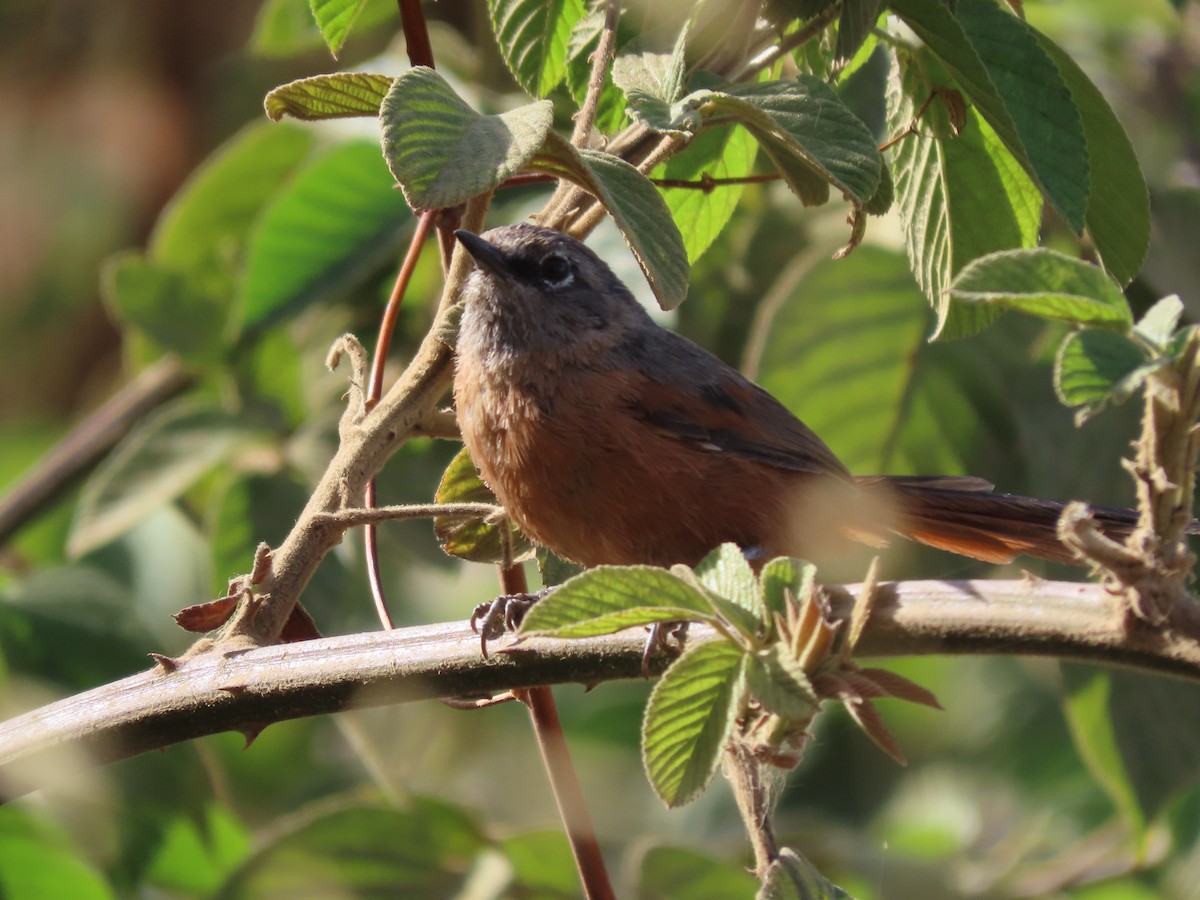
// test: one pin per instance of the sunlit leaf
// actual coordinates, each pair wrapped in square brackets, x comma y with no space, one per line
[442,152]
[328,96]
[473,539]
[533,36]
[689,718]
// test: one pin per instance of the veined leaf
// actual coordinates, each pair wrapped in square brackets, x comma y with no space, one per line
[336,96]
[1044,283]
[1095,367]
[689,717]
[336,222]
[472,539]
[533,36]
[726,573]
[959,198]
[442,152]
[637,208]
[606,599]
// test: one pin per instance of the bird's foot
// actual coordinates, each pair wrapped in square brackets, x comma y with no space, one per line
[502,615]
[664,637]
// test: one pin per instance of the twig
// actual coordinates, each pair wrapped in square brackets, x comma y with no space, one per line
[352,518]
[787,44]
[601,60]
[383,344]
[707,183]
[88,442]
[560,770]
[222,690]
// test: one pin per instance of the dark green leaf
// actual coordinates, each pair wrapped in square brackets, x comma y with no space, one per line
[1094,367]
[611,598]
[473,539]
[442,152]
[637,208]
[533,36]
[1044,283]
[689,717]
[158,461]
[959,198]
[854,26]
[1118,211]
[997,62]
[320,236]
[337,96]
[167,306]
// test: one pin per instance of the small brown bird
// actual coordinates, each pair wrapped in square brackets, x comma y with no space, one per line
[610,439]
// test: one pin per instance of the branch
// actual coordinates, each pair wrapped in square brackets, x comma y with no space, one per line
[88,442]
[223,690]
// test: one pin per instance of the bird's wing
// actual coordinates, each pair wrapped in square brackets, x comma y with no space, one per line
[684,391]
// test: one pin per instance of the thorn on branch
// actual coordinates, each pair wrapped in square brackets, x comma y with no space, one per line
[356,407]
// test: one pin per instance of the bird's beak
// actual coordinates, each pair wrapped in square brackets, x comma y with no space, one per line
[486,255]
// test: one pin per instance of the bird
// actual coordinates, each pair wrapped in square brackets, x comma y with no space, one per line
[612,440]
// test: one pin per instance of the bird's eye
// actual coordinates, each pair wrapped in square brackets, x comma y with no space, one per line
[556,270]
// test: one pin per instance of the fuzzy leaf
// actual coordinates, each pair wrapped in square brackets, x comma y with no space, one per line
[778,681]
[533,36]
[1044,283]
[689,717]
[611,598]
[442,152]
[637,208]
[783,580]
[472,539]
[726,572]
[338,96]
[1094,368]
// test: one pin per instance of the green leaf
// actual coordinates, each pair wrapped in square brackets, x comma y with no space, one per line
[958,198]
[1118,210]
[542,865]
[1044,283]
[31,868]
[423,850]
[689,718]
[725,572]
[342,95]
[802,123]
[784,580]
[701,214]
[997,62]
[533,36]
[166,305]
[211,216]
[442,152]
[1091,723]
[778,681]
[159,460]
[649,75]
[611,598]
[792,877]
[335,18]
[472,539]
[197,854]
[679,873]
[1095,367]
[323,234]
[585,38]
[844,368]
[284,28]
[637,208]
[1158,325]
[854,27]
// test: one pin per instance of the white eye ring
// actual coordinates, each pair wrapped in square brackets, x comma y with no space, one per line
[556,271]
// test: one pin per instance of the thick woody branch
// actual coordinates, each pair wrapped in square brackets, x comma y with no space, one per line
[224,690]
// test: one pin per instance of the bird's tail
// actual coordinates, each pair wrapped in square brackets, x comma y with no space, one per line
[965,516]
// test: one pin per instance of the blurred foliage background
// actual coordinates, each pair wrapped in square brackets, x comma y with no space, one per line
[108,109]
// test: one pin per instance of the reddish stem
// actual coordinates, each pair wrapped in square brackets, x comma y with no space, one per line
[564,781]
[416,34]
